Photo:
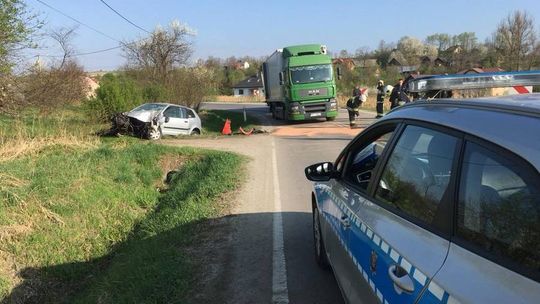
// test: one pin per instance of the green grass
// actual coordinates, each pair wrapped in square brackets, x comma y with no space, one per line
[213,121]
[88,225]
[69,120]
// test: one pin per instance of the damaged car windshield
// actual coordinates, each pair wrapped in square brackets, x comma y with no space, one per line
[150,107]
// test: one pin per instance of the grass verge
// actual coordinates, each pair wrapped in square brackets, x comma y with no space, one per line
[213,121]
[87,224]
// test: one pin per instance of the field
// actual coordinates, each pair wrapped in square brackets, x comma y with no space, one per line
[85,219]
[213,121]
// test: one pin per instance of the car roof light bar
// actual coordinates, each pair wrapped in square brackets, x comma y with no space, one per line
[474,81]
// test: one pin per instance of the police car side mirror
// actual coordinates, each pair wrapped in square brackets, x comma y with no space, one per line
[320,172]
[167,119]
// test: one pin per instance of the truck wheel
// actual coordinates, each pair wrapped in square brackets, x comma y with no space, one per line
[276,113]
[281,115]
[330,118]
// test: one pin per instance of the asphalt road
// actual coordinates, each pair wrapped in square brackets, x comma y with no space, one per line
[261,110]
[266,255]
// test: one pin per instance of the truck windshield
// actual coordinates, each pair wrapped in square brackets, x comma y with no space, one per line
[311,73]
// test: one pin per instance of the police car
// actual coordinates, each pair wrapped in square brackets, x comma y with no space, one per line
[437,202]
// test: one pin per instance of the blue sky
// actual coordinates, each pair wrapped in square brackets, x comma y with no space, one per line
[256,28]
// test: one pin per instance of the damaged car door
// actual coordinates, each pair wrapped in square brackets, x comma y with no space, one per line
[175,121]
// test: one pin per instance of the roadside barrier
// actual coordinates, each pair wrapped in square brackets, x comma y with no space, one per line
[244,132]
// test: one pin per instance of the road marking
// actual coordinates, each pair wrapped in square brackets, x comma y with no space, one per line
[280,293]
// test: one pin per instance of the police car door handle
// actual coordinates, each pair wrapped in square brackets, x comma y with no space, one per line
[345,221]
[401,278]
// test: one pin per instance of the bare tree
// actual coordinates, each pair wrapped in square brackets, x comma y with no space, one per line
[383,52]
[162,51]
[440,40]
[515,39]
[344,54]
[64,36]
[467,41]
[362,52]
[51,87]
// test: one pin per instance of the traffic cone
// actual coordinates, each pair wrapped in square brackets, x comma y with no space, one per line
[226,128]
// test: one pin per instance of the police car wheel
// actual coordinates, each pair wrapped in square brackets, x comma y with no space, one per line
[320,251]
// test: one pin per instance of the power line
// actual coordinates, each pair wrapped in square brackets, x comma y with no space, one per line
[98,51]
[95,30]
[80,22]
[82,54]
[90,27]
[129,21]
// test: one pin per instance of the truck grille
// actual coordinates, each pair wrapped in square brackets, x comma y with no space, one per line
[314,107]
[313,92]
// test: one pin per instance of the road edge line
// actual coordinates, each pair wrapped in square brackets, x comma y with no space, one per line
[280,293]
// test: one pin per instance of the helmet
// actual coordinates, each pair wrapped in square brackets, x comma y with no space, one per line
[363,97]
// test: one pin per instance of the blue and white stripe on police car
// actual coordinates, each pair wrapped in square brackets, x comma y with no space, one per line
[433,294]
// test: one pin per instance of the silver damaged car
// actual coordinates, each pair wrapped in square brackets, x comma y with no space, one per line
[158,119]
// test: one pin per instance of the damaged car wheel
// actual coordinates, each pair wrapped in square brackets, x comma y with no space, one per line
[154,133]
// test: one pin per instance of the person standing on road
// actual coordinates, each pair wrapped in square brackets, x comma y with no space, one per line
[354,103]
[380,98]
[398,96]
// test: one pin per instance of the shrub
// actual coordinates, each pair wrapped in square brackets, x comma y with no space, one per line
[47,88]
[154,93]
[116,93]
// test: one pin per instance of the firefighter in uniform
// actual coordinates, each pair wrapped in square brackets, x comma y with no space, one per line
[398,96]
[380,98]
[354,103]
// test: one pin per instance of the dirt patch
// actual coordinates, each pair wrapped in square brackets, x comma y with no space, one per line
[169,164]
[295,131]
[213,252]
[8,232]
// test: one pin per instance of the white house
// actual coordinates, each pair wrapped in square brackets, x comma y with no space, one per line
[251,86]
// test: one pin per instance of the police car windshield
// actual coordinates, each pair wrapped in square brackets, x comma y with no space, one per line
[311,73]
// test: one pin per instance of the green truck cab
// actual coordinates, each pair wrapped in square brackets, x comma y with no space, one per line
[299,83]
